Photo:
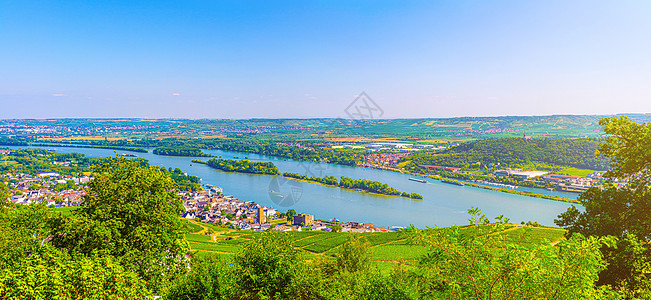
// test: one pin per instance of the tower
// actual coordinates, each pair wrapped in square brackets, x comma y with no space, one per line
[261,217]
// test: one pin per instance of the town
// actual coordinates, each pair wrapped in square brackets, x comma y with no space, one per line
[208,205]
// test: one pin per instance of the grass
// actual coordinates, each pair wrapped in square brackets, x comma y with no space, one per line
[198,238]
[66,211]
[329,243]
[218,247]
[576,171]
[214,227]
[190,226]
[394,252]
[384,237]
[530,236]
[387,248]
[313,239]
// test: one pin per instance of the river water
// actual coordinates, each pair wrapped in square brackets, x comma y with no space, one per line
[443,204]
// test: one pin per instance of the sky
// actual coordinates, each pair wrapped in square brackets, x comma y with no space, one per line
[304,59]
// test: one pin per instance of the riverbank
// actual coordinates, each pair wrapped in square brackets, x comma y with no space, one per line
[349,189]
[139,150]
[505,190]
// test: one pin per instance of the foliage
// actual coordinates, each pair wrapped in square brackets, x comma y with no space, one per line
[21,231]
[209,278]
[270,267]
[354,255]
[131,213]
[183,181]
[368,185]
[33,161]
[52,274]
[516,152]
[327,179]
[4,196]
[180,151]
[244,166]
[112,147]
[620,211]
[69,185]
[474,265]
[290,214]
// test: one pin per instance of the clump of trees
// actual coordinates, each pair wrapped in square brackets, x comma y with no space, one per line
[244,166]
[180,151]
[620,211]
[516,152]
[327,179]
[368,185]
[361,184]
[374,186]
[183,181]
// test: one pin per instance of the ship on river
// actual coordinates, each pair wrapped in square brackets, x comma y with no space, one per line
[453,182]
[418,180]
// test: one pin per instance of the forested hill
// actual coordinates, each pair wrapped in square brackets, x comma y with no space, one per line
[514,152]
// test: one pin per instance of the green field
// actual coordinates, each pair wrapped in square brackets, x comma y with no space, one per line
[387,248]
[575,171]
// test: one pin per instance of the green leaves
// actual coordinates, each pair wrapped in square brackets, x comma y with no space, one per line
[481,262]
[620,211]
[244,166]
[132,213]
[52,274]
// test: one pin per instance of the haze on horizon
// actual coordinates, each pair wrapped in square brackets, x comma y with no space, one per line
[289,59]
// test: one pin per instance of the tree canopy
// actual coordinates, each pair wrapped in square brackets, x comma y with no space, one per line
[132,213]
[620,210]
[516,152]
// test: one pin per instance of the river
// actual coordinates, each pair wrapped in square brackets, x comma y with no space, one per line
[443,204]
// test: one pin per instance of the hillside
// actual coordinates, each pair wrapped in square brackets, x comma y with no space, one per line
[386,248]
[515,152]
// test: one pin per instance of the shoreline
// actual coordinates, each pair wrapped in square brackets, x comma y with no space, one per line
[436,177]
[349,189]
[509,191]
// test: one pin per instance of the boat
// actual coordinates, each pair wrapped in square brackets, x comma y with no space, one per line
[453,182]
[418,180]
[129,155]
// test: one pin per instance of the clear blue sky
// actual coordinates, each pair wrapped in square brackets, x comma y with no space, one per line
[242,59]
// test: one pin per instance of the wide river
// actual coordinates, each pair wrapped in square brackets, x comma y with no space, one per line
[443,204]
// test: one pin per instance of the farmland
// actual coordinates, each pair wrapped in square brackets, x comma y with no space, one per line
[387,248]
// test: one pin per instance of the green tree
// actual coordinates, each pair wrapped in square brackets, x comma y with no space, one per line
[620,211]
[22,230]
[480,262]
[4,197]
[131,212]
[269,267]
[354,255]
[290,215]
[49,273]
[209,278]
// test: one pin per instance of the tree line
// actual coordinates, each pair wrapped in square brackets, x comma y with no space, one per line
[516,152]
[243,166]
[266,147]
[180,151]
[366,185]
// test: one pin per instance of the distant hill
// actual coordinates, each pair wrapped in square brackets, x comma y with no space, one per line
[426,130]
[514,152]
